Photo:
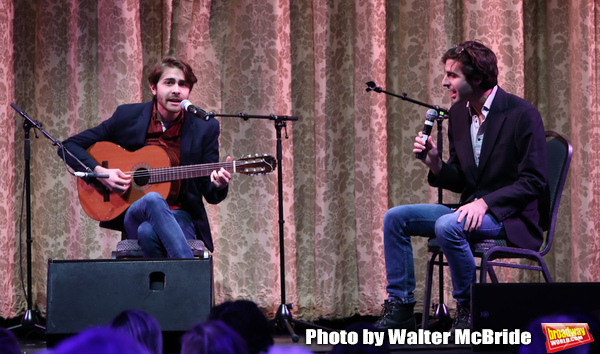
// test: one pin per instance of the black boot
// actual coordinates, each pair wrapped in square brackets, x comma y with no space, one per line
[397,315]
[463,318]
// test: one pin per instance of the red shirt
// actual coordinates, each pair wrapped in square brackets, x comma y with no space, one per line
[169,139]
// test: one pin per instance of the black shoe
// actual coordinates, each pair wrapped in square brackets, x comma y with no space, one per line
[397,315]
[463,318]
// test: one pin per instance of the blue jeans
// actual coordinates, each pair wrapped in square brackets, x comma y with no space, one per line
[431,220]
[161,232]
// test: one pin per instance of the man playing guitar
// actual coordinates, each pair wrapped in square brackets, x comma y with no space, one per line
[161,225]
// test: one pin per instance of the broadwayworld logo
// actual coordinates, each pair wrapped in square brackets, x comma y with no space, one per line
[561,336]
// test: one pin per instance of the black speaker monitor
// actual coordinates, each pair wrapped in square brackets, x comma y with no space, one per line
[88,293]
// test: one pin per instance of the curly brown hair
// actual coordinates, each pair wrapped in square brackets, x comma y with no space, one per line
[477,60]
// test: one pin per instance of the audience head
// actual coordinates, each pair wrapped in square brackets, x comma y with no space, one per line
[141,326]
[100,340]
[244,317]
[212,337]
[288,349]
[8,342]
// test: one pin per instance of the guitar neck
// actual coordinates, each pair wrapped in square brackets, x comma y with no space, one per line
[167,174]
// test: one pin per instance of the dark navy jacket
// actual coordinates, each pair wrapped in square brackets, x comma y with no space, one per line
[512,173]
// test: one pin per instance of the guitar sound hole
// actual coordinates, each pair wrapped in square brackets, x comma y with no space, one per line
[141,177]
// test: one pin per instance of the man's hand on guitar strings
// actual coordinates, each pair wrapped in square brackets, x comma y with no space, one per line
[117,182]
[221,177]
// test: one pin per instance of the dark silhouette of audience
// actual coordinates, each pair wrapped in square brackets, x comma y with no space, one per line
[100,340]
[239,327]
[141,326]
[244,317]
[8,342]
[233,327]
[288,349]
[212,337]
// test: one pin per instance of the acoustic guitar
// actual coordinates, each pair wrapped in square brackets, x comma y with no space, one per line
[151,170]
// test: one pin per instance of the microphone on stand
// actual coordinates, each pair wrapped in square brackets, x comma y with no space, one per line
[90,175]
[430,117]
[186,105]
[372,87]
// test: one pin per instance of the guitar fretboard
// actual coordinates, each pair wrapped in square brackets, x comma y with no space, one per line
[167,174]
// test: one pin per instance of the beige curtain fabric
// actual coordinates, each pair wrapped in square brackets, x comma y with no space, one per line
[345,161]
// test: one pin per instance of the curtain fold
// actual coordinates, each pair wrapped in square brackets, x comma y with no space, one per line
[10,190]
[585,131]
[345,161]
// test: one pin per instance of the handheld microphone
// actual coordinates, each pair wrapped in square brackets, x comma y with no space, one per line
[431,115]
[90,175]
[186,105]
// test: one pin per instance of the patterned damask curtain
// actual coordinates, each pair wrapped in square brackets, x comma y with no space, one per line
[347,159]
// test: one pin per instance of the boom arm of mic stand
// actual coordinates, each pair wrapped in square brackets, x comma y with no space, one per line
[442,114]
[441,111]
[35,124]
[245,116]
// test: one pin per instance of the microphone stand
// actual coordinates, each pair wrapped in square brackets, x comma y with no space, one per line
[283,317]
[30,320]
[442,114]
[441,312]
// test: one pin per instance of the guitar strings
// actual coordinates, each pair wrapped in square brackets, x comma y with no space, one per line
[194,170]
[163,174]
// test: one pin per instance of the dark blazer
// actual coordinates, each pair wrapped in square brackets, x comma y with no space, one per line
[199,144]
[512,173]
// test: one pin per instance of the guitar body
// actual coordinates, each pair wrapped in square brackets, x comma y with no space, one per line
[151,170]
[102,205]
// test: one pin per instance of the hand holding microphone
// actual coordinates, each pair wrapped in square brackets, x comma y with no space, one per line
[430,117]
